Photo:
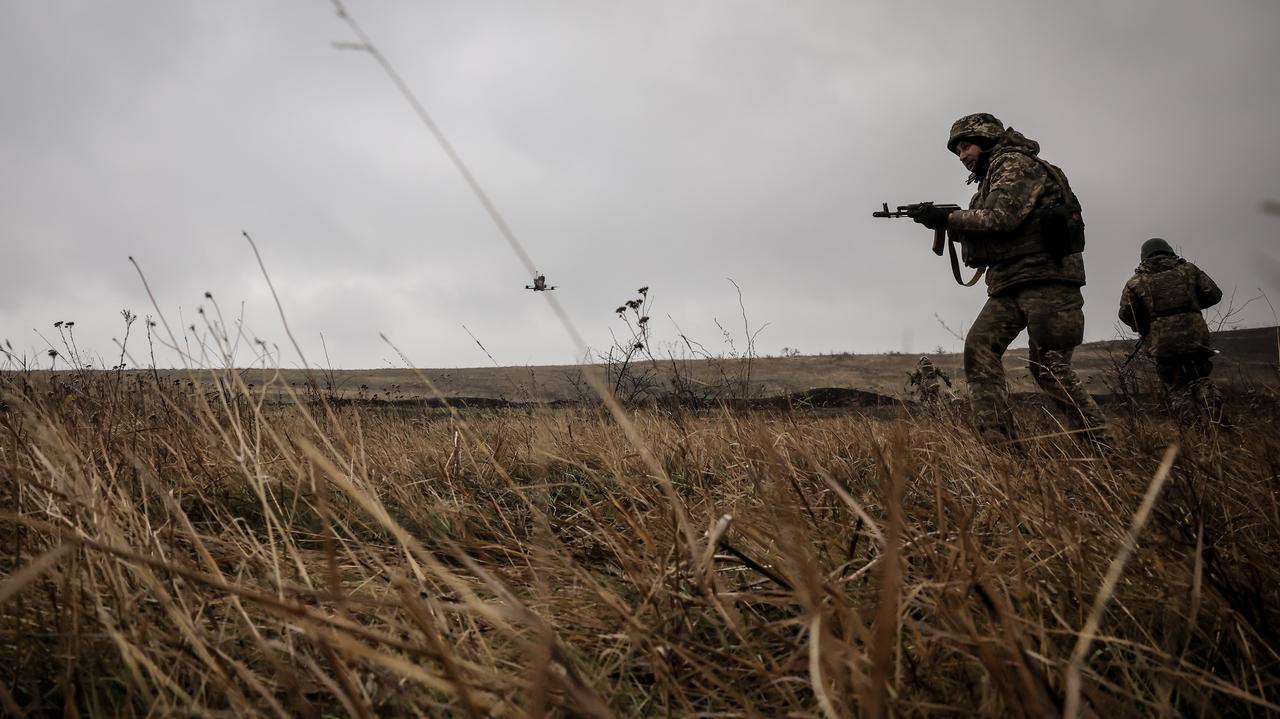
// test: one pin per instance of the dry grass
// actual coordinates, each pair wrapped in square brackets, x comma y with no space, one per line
[171,552]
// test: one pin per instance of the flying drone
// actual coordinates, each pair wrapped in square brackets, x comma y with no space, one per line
[539,284]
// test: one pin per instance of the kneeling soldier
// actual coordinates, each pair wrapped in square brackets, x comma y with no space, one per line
[927,381]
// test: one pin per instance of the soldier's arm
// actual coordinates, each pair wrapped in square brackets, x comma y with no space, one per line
[1129,307]
[1207,291]
[1017,182]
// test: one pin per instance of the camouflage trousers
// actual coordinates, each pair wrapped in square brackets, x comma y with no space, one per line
[1192,394]
[1053,315]
[929,392]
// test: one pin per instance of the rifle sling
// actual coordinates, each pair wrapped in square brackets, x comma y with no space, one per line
[1137,347]
[955,265]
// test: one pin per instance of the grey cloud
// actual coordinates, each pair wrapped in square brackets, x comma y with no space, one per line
[669,144]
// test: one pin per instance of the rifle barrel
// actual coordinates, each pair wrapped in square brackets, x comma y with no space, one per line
[904,210]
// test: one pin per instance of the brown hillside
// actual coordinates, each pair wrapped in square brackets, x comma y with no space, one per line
[1247,356]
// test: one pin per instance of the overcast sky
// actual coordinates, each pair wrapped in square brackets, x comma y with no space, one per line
[668,144]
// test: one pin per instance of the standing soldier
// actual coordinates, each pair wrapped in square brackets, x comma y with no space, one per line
[1162,302]
[927,380]
[1023,226]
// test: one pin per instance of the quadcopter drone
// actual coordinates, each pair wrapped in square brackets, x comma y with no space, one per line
[539,284]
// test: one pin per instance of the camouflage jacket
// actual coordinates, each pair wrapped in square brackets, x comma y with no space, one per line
[927,373]
[1004,217]
[1162,302]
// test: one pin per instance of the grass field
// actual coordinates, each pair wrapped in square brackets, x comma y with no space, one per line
[173,551]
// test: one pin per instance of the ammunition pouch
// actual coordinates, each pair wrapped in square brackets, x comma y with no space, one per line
[1172,311]
[984,249]
[1062,230]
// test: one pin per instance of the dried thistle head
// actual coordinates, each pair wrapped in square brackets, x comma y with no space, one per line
[53,353]
[58,323]
[621,309]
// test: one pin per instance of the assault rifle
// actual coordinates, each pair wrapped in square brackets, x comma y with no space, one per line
[1137,347]
[939,236]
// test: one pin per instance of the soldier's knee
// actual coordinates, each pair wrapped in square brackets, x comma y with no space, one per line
[1053,371]
[1038,371]
[981,361]
[1052,385]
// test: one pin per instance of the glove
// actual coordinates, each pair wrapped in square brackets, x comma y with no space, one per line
[935,218]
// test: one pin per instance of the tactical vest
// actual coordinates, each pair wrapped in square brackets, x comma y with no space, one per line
[1174,324]
[1056,228]
[1171,292]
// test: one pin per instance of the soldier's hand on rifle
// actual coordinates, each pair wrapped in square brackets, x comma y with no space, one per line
[931,216]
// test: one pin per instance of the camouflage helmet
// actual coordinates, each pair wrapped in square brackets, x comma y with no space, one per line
[980,126]
[1156,246]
